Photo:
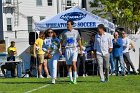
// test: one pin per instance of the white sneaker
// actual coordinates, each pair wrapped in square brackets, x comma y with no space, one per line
[113,74]
[77,76]
[40,76]
[84,75]
[48,76]
[53,81]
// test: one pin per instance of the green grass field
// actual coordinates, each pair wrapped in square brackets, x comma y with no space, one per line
[91,84]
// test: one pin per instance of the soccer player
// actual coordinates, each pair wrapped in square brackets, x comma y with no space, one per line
[70,39]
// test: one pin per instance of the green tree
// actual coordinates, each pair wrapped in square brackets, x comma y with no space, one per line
[126,12]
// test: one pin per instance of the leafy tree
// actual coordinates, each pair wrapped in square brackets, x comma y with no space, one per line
[126,12]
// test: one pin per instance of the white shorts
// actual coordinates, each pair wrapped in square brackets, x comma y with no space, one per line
[71,55]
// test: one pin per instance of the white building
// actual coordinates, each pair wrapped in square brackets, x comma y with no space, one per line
[19,16]
[90,9]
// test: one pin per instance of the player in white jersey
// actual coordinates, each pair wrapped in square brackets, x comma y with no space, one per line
[71,40]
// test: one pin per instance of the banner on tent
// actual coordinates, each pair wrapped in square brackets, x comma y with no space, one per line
[76,24]
[81,18]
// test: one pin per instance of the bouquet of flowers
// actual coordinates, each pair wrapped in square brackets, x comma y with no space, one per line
[84,43]
[53,47]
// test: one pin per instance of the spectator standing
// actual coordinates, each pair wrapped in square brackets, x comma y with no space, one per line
[40,55]
[118,54]
[126,43]
[81,60]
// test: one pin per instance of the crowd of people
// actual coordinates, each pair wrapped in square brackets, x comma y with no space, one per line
[106,50]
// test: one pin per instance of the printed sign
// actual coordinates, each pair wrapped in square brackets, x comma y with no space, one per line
[75,16]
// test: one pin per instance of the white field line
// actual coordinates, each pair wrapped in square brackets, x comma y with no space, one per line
[37,88]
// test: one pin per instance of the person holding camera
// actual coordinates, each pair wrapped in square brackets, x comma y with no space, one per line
[50,47]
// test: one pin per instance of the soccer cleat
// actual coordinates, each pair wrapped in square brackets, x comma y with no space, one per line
[102,81]
[74,82]
[106,80]
[71,82]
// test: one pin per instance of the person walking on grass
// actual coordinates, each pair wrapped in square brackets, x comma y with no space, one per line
[40,55]
[118,54]
[103,47]
[126,44]
[71,39]
[51,46]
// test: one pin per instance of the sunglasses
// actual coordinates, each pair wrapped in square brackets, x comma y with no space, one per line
[50,32]
[123,33]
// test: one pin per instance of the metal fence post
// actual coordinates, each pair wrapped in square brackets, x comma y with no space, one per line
[139,61]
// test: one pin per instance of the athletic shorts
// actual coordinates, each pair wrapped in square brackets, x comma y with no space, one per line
[71,55]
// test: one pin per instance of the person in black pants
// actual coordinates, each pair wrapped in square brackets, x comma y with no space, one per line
[10,66]
[81,62]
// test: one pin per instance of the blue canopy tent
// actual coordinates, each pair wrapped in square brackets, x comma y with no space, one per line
[81,18]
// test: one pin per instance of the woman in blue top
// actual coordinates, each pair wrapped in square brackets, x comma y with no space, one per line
[50,46]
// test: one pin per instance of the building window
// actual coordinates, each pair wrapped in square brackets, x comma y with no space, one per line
[8,10]
[42,17]
[38,2]
[69,3]
[9,24]
[30,21]
[49,2]
[67,8]
[8,1]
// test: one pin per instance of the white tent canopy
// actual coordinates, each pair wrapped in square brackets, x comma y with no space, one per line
[81,18]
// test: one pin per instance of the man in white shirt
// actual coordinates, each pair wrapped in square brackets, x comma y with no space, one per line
[103,46]
[126,44]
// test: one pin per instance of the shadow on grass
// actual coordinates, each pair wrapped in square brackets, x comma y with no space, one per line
[25,82]
[49,82]
[67,81]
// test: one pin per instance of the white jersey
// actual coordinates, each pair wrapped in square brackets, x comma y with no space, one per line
[126,43]
[70,38]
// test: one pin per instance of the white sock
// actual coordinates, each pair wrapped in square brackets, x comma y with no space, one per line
[70,76]
[75,75]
